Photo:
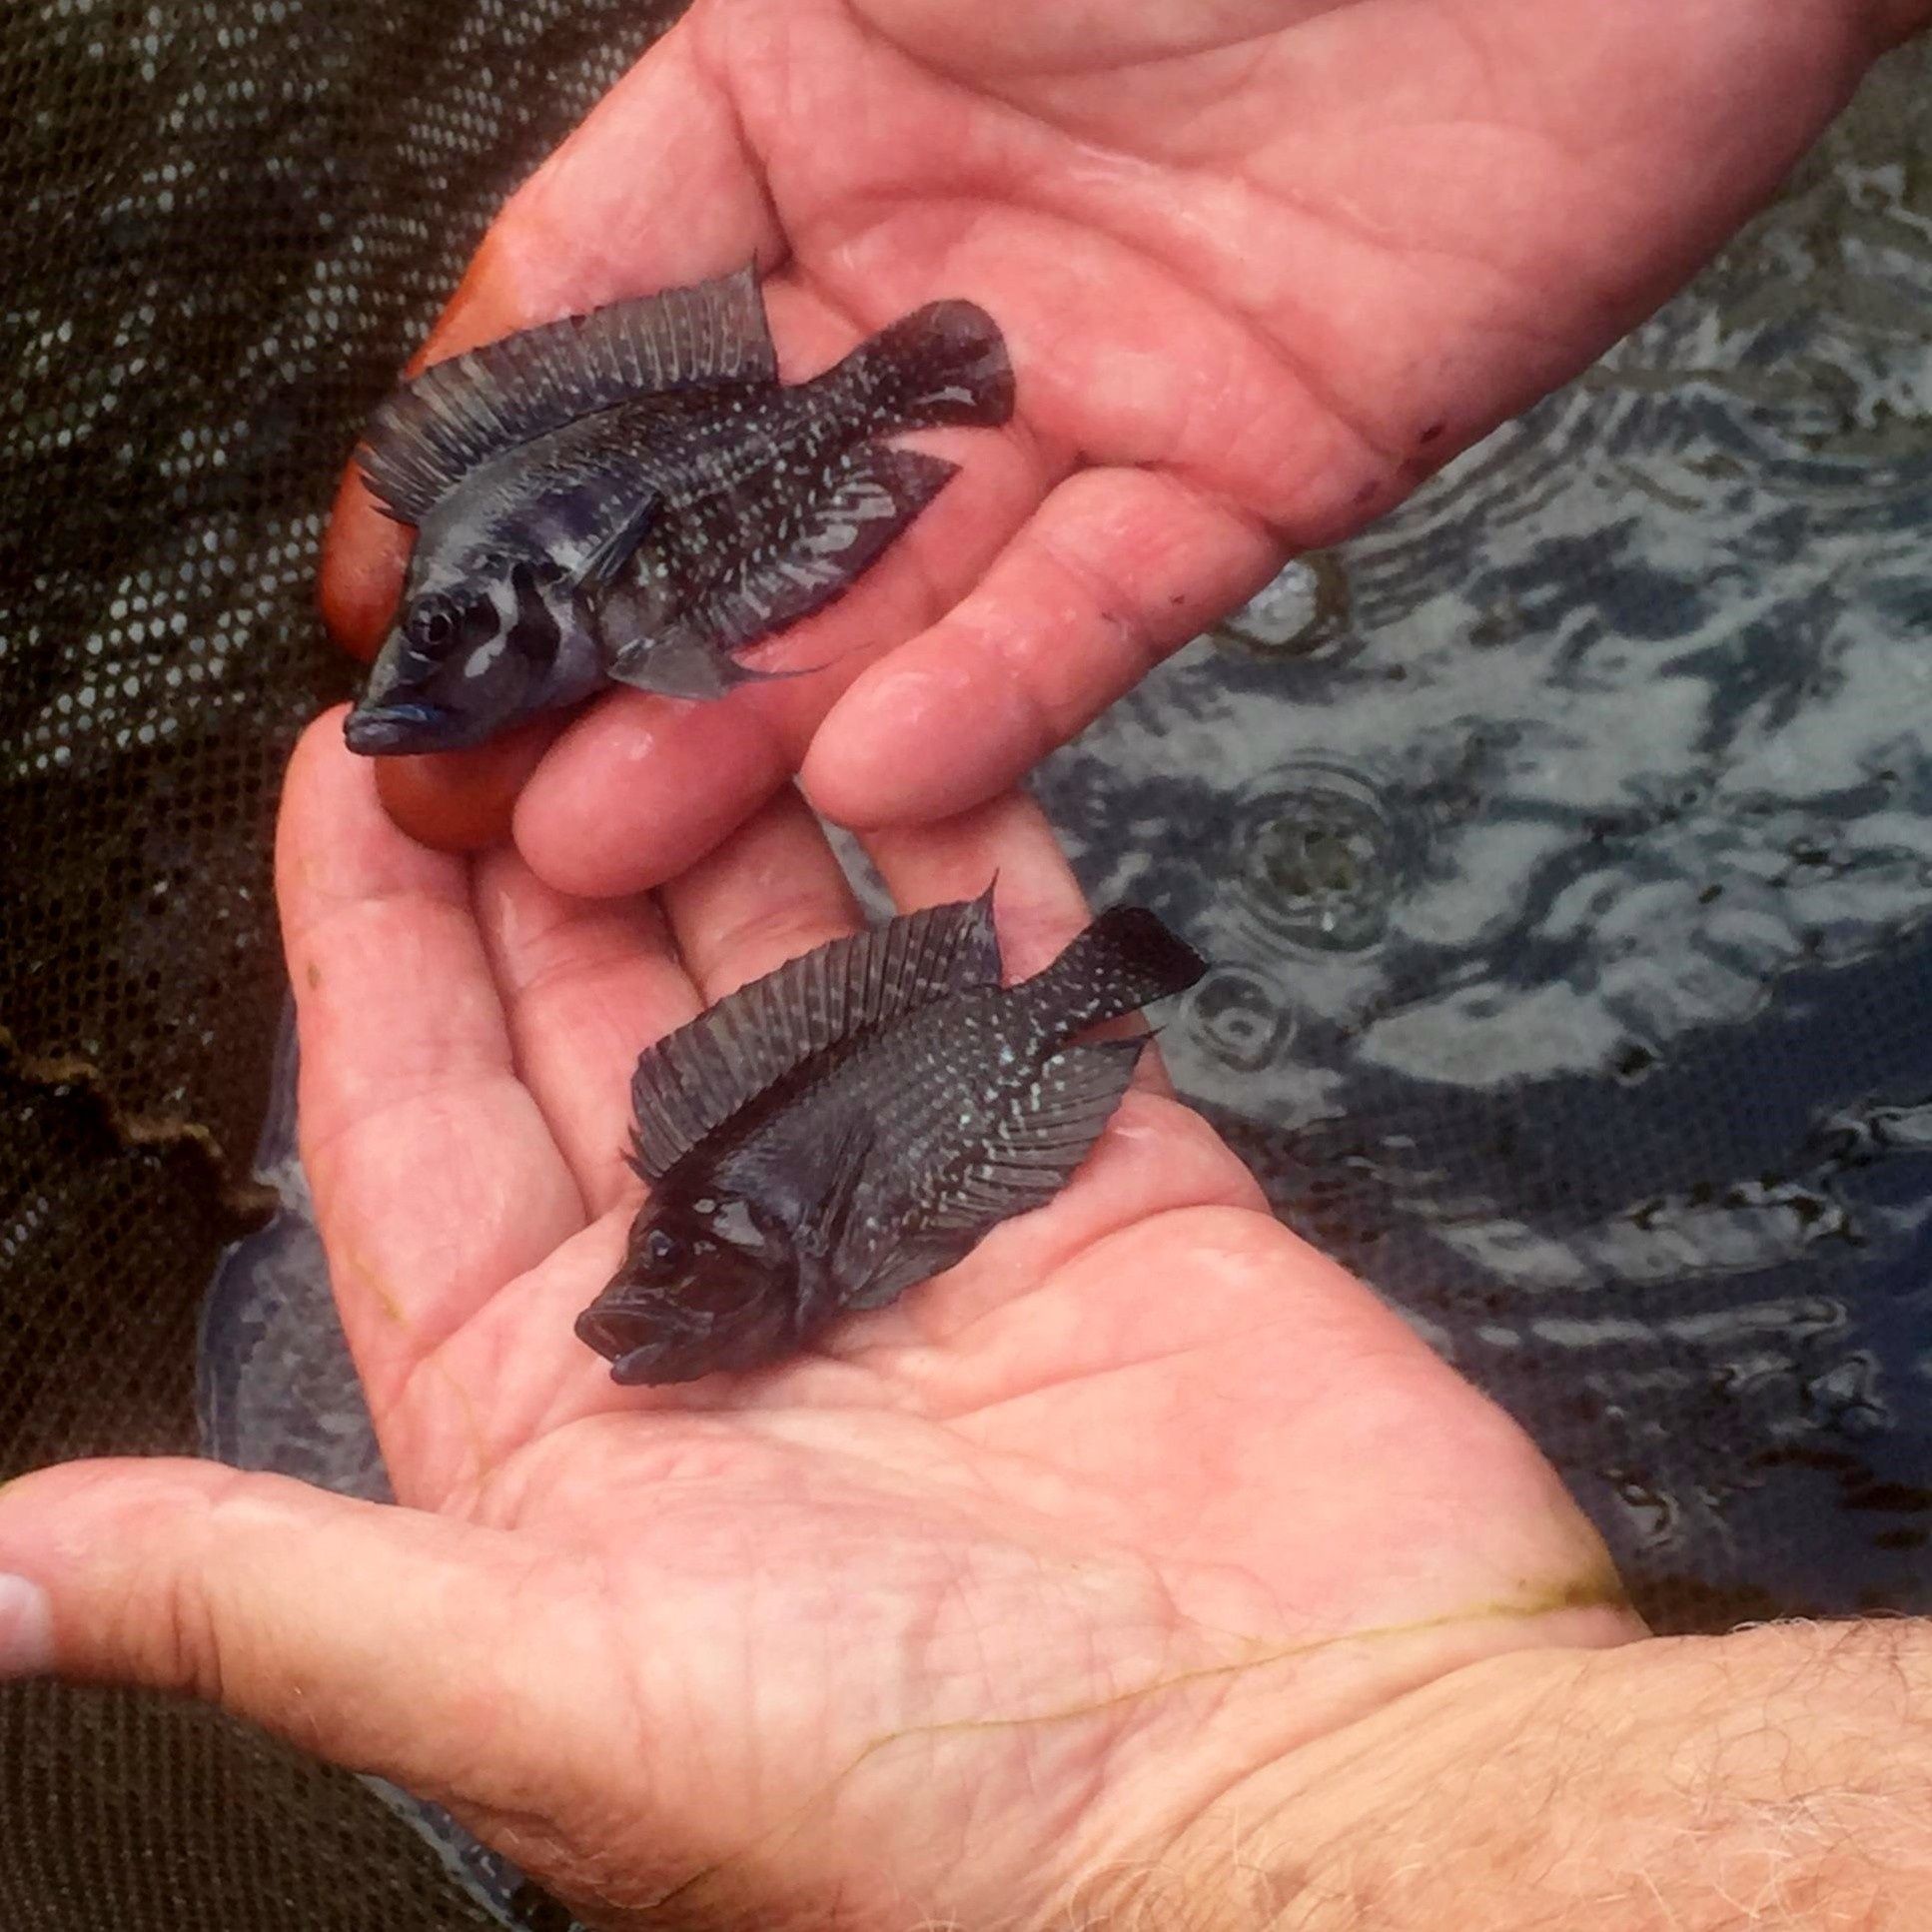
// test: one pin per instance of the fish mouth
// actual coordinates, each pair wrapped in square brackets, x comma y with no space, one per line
[615,1336]
[610,1333]
[374,730]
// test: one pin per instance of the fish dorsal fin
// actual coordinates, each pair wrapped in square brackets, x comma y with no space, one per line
[694,1080]
[461,413]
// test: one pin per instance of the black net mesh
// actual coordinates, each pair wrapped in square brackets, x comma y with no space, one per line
[228,222]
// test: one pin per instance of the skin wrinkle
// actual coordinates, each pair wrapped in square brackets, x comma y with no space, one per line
[193,1650]
[408,1396]
[553,985]
[434,1087]
[1404,250]
[825,1796]
[484,1459]
[435,889]
[496,1065]
[775,231]
[1113,608]
[1088,1377]
[1297,367]
[1013,193]
[514,932]
[1080,64]
[1273,343]
[1249,522]
[795,924]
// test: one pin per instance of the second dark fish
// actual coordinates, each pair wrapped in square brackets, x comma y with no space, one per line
[632,497]
[853,1122]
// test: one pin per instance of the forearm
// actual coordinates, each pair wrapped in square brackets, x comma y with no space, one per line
[1777,1778]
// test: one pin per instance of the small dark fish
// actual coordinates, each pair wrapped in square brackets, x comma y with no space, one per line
[854,1123]
[630,495]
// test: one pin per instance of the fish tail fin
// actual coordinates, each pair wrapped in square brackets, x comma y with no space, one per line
[943,364]
[1126,959]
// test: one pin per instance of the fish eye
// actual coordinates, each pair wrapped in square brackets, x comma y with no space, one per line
[664,1249]
[436,628]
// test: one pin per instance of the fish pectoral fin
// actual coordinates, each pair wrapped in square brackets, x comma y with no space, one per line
[700,1076]
[909,1263]
[457,415]
[1031,1154]
[813,540]
[672,660]
[737,570]
[618,544]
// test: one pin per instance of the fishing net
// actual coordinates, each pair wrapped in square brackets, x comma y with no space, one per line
[1562,846]
[229,220]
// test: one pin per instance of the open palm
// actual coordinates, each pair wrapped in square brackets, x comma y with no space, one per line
[1000,1591]
[1264,264]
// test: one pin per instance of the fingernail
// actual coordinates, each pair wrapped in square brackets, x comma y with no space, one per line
[26,1630]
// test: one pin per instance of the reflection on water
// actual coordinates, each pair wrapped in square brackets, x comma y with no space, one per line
[1564,846]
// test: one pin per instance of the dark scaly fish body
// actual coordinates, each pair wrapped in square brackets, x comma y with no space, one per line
[632,497]
[853,1122]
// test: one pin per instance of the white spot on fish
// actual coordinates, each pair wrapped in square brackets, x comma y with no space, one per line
[480,661]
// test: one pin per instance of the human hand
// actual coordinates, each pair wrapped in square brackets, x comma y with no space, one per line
[1262,266]
[996,1594]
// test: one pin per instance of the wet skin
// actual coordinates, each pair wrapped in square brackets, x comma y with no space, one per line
[987,1536]
[1263,267]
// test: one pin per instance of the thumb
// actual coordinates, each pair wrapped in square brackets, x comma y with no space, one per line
[358,1632]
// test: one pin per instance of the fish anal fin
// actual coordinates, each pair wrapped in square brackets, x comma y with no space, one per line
[459,413]
[695,1079]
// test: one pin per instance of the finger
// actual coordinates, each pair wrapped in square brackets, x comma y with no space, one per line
[1115,570]
[588,984]
[435,1174]
[771,892]
[461,801]
[355,1631]
[641,786]
[654,188]
[1037,902]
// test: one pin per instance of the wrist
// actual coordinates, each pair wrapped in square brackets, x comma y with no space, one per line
[1675,1783]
